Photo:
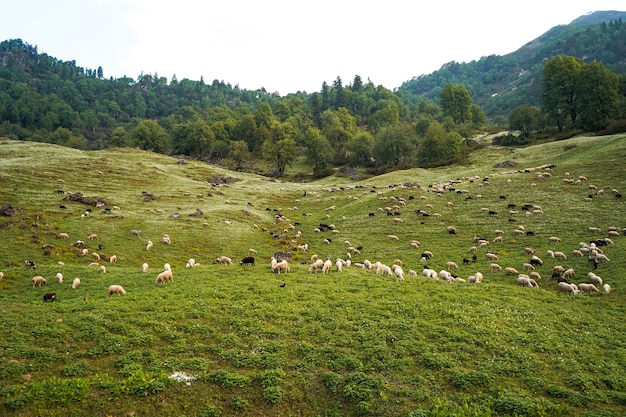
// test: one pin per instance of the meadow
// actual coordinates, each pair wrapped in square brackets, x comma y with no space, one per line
[237,340]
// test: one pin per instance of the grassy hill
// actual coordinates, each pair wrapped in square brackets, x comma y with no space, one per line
[345,343]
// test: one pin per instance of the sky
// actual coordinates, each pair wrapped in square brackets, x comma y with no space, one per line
[280,45]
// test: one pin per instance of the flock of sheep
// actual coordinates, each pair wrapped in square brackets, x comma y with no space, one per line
[529,277]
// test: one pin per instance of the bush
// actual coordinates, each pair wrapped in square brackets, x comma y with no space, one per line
[226,379]
[79,368]
[273,395]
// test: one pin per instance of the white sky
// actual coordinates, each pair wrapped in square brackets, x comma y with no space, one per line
[284,46]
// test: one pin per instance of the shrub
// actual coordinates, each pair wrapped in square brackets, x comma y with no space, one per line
[226,379]
[79,368]
[239,403]
[273,395]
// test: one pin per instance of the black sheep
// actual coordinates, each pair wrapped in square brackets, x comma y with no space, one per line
[247,261]
[49,296]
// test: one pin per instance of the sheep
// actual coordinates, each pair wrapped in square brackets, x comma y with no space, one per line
[594,279]
[535,275]
[113,259]
[252,251]
[164,276]
[167,267]
[452,265]
[327,265]
[49,296]
[149,245]
[526,281]
[427,254]
[495,267]
[144,267]
[398,272]
[38,281]
[584,287]
[62,236]
[528,267]
[569,273]
[606,288]
[166,240]
[103,269]
[282,266]
[452,230]
[116,289]
[412,272]
[571,289]
[554,239]
[59,277]
[249,260]
[392,238]
[318,264]
[75,283]
[224,260]
[577,253]
[93,236]
[490,256]
[498,239]
[558,270]
[429,273]
[445,275]
[339,263]
[560,255]
[1,275]
[510,271]
[190,263]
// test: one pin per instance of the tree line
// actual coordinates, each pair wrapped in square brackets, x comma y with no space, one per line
[359,124]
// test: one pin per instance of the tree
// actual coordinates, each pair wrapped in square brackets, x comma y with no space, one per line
[394,145]
[525,119]
[280,154]
[597,96]
[193,138]
[439,147]
[560,75]
[319,152]
[456,101]
[149,136]
[120,138]
[239,152]
[263,116]
[360,148]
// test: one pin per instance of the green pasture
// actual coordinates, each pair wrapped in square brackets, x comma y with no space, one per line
[248,342]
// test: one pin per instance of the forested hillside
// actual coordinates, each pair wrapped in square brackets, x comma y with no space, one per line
[429,121]
[500,83]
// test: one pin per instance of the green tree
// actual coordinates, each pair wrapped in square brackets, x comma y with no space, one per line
[361,147]
[280,154]
[597,96]
[193,138]
[394,145]
[120,138]
[456,101]
[149,136]
[526,119]
[239,152]
[263,116]
[439,147]
[560,75]
[319,152]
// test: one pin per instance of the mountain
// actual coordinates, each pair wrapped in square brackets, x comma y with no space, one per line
[500,83]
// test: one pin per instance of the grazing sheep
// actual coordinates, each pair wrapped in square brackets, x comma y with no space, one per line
[606,288]
[560,255]
[149,245]
[452,230]
[535,261]
[558,270]
[224,260]
[445,275]
[412,272]
[327,265]
[318,264]
[490,256]
[93,236]
[38,281]
[535,275]
[252,251]
[49,296]
[116,289]
[526,281]
[577,253]
[569,273]
[584,287]
[528,267]
[392,238]
[113,259]
[510,271]
[166,240]
[498,239]
[398,272]
[452,265]
[495,267]
[144,267]
[571,289]
[429,273]
[190,263]
[75,283]
[103,269]
[339,263]
[249,260]
[594,279]
[282,266]
[62,236]
[554,239]
[164,276]
[59,278]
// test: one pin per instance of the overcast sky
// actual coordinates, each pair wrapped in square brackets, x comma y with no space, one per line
[284,46]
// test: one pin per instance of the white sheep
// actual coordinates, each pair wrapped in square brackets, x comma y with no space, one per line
[490,256]
[59,278]
[282,266]
[144,267]
[38,281]
[560,255]
[585,287]
[510,271]
[339,263]
[191,263]
[476,278]
[569,273]
[594,279]
[606,288]
[113,259]
[571,289]
[392,238]
[167,267]
[149,245]
[328,264]
[224,260]
[318,264]
[445,275]
[528,267]
[430,273]
[164,276]
[75,283]
[103,269]
[526,281]
[495,267]
[398,272]
[116,289]
[452,265]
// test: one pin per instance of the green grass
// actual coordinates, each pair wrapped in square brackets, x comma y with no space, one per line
[337,344]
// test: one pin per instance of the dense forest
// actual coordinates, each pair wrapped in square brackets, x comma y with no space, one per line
[357,124]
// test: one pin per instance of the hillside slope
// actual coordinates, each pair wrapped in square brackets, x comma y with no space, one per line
[252,342]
